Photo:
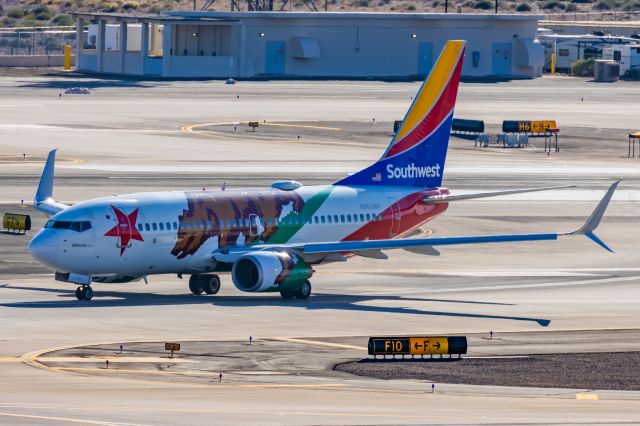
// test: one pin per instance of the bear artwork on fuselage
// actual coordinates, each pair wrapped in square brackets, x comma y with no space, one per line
[232,215]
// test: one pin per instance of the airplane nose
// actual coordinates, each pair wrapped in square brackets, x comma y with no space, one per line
[44,247]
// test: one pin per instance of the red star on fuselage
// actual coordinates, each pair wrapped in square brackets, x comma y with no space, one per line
[125,229]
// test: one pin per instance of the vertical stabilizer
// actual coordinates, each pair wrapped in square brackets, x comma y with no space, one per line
[417,152]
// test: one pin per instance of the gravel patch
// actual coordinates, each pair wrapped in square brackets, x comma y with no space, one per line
[605,371]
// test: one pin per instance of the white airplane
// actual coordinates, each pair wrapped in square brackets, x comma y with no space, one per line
[270,239]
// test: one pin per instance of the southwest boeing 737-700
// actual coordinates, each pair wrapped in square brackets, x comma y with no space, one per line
[270,239]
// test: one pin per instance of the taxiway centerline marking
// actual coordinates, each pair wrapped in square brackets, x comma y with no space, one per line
[128,371]
[292,385]
[299,126]
[114,359]
[319,343]
[69,420]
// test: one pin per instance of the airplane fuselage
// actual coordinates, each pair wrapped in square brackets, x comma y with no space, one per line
[178,232]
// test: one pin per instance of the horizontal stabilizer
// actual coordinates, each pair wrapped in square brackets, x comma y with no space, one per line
[449,198]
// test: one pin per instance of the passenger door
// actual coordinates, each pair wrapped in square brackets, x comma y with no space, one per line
[396,217]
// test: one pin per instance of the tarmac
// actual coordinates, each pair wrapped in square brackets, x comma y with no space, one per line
[568,296]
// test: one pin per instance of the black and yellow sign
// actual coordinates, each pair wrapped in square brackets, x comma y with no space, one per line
[542,126]
[430,345]
[390,346]
[172,347]
[16,222]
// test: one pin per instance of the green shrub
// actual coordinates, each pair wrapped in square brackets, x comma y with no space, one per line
[411,7]
[631,5]
[16,13]
[553,4]
[130,5]
[571,7]
[604,5]
[583,67]
[523,7]
[63,20]
[361,3]
[483,5]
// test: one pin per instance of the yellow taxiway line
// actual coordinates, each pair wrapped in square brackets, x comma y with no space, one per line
[299,126]
[319,343]
[129,371]
[67,419]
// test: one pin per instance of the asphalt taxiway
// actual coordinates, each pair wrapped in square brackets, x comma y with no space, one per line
[130,136]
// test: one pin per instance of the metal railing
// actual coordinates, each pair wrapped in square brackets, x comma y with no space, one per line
[36,40]
[593,16]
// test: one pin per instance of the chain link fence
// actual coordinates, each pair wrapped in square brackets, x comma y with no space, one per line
[36,41]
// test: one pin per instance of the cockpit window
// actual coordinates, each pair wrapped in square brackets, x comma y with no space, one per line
[77,226]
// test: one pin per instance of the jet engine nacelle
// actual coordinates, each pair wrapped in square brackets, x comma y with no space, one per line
[270,271]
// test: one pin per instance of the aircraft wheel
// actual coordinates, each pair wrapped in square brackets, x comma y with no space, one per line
[79,295]
[287,294]
[195,284]
[211,284]
[87,292]
[304,291]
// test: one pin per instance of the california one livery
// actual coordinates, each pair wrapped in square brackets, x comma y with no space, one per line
[270,239]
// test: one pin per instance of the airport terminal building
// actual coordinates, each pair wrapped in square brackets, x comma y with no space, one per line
[303,45]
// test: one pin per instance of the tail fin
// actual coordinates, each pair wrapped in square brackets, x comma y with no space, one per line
[417,152]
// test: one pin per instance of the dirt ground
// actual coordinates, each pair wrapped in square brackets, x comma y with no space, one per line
[605,371]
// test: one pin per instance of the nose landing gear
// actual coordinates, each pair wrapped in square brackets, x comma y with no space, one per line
[84,292]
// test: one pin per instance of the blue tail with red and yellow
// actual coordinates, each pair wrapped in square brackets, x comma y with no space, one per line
[417,152]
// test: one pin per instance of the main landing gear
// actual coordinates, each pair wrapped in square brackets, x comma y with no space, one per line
[302,293]
[201,283]
[84,292]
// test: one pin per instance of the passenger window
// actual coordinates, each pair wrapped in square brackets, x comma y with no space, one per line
[147,227]
[203,224]
[154,226]
[328,219]
[322,219]
[269,221]
[234,223]
[188,225]
[342,218]
[262,221]
[175,226]
[335,218]
[349,218]
[361,217]
[161,226]
[246,222]
[168,226]
[368,217]
[140,227]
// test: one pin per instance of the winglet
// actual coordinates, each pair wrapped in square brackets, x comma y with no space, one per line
[594,220]
[43,200]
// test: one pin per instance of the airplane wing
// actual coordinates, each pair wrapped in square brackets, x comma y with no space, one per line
[369,248]
[449,198]
[43,200]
